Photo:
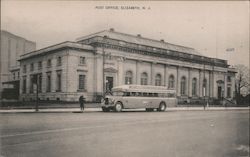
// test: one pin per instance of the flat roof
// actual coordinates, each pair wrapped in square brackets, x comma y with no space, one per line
[141,41]
[66,44]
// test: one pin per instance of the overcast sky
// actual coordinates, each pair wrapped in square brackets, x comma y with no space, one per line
[209,27]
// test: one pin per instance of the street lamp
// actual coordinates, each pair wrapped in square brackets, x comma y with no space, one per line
[35,80]
[103,64]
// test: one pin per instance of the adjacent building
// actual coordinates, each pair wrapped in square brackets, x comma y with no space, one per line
[12,46]
[95,63]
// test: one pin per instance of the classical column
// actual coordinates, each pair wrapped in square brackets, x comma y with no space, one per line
[225,85]
[189,79]
[120,71]
[200,84]
[212,83]
[177,82]
[152,73]
[165,75]
[137,73]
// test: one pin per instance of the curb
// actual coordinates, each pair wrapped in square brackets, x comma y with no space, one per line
[91,110]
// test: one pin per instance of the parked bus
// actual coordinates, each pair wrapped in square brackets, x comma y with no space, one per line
[139,96]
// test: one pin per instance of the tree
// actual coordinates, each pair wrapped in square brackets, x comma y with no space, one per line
[241,81]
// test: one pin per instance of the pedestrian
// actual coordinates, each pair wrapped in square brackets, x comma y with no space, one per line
[81,101]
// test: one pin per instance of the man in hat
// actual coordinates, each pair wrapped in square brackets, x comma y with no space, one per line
[81,101]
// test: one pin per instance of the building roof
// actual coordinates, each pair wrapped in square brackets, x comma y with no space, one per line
[141,41]
[66,44]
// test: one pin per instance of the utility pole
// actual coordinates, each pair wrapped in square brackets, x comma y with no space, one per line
[204,85]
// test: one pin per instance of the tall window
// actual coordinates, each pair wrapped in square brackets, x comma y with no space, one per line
[158,80]
[31,66]
[32,81]
[81,84]
[194,87]
[82,60]
[144,78]
[183,85]
[59,61]
[171,81]
[59,81]
[40,65]
[229,92]
[204,87]
[24,84]
[228,78]
[128,77]
[24,69]
[39,77]
[49,63]
[48,82]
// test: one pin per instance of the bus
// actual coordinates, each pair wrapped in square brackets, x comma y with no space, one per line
[139,96]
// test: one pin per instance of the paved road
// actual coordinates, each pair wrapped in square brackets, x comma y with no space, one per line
[126,134]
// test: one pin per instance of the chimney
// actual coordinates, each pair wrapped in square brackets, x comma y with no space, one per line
[139,35]
[162,40]
[111,29]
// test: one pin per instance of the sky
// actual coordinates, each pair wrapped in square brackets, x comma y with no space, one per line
[215,29]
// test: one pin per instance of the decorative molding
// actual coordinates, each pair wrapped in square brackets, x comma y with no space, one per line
[111,70]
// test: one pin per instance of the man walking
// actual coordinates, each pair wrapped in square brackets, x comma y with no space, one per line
[81,101]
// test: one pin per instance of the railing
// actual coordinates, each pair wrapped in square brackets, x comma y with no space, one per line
[228,102]
[162,52]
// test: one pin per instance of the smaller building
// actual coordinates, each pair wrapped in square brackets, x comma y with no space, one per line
[12,46]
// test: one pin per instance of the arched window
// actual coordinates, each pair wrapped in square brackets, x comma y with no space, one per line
[128,77]
[194,87]
[204,87]
[183,85]
[144,78]
[158,80]
[171,81]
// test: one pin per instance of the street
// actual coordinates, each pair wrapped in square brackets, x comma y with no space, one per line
[125,134]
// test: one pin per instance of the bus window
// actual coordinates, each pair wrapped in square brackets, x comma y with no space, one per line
[155,94]
[150,94]
[133,94]
[126,94]
[161,95]
[171,95]
[118,94]
[145,94]
[138,94]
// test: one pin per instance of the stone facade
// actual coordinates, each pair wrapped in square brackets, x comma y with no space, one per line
[12,47]
[96,63]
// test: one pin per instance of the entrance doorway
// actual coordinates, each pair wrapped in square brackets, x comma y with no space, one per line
[109,83]
[219,92]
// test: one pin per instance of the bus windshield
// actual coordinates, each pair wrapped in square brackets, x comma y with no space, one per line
[118,93]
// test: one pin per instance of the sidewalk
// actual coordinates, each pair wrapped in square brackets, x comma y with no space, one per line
[77,110]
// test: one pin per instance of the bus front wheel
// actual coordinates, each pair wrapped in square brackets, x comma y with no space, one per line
[162,107]
[118,107]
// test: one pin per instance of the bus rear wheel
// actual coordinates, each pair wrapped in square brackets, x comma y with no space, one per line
[118,107]
[162,107]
